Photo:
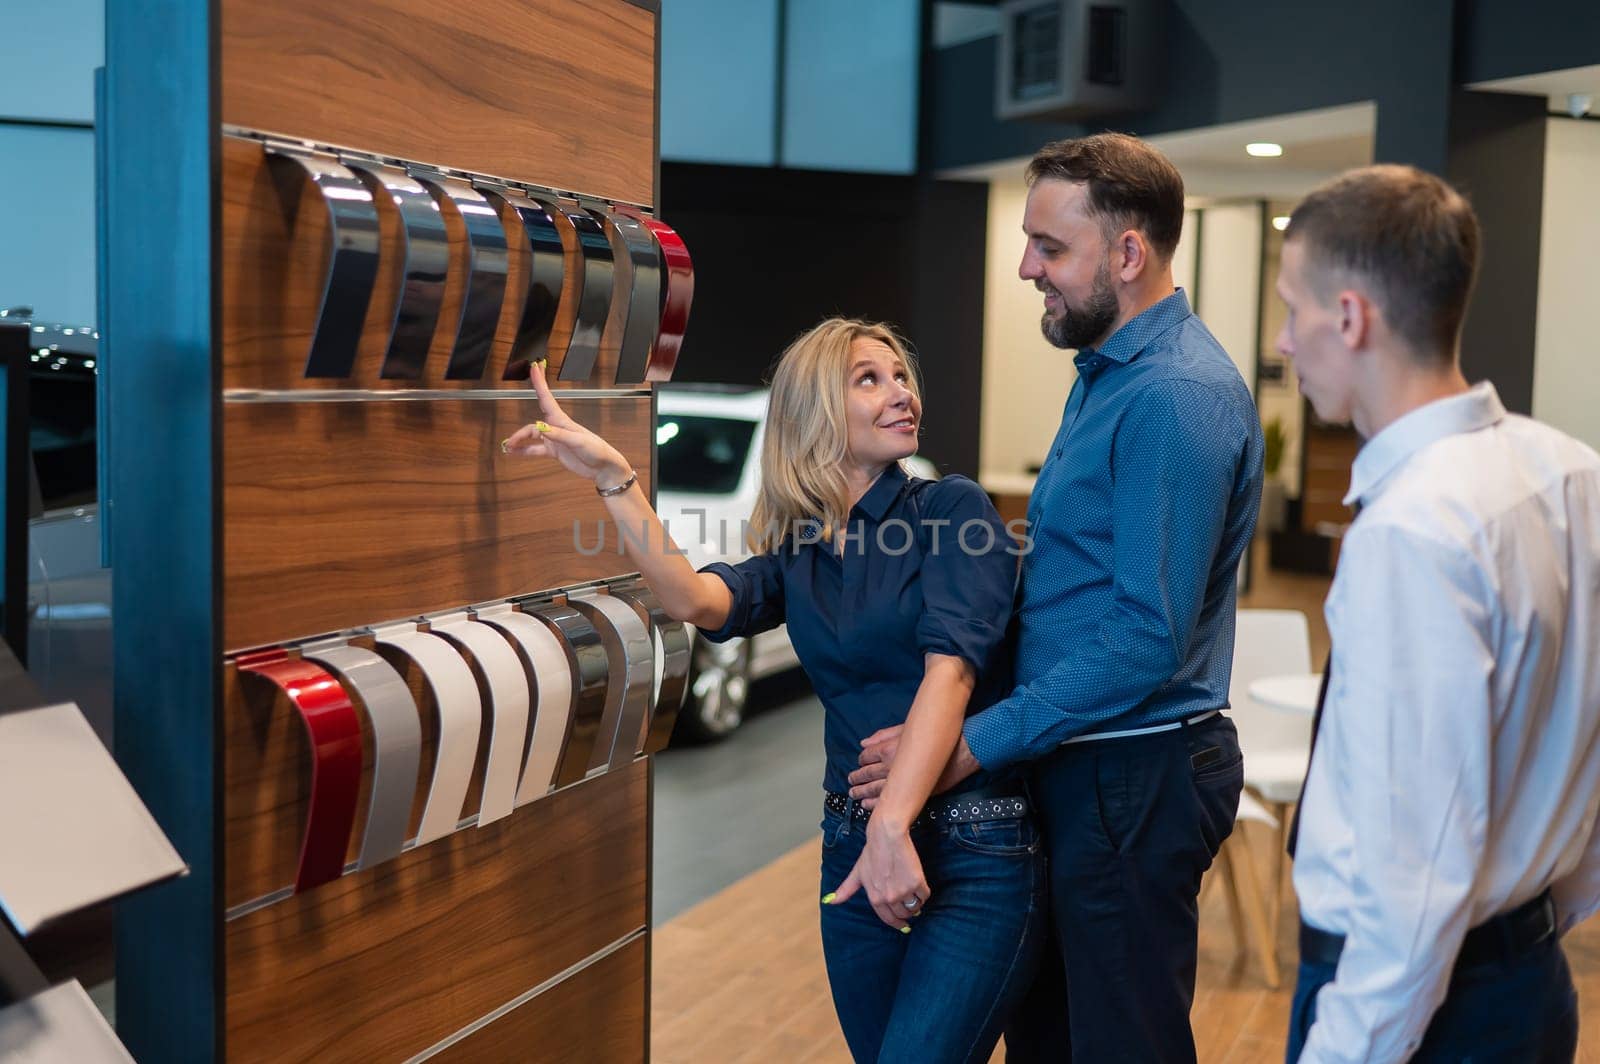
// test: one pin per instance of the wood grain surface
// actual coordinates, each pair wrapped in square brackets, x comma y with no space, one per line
[545,91]
[384,963]
[275,254]
[339,515]
[594,1017]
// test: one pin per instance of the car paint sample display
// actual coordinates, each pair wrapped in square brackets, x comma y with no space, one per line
[367,527]
[633,269]
[610,634]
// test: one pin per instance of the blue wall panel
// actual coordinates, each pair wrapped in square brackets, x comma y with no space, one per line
[719,81]
[48,52]
[47,184]
[850,99]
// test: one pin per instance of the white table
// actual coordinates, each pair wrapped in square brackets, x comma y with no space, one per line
[1296,693]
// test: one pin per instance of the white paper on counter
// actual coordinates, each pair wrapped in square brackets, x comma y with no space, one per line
[61,1024]
[73,831]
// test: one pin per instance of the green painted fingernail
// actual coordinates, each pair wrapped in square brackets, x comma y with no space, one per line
[827,899]
[505,445]
[906,930]
[541,426]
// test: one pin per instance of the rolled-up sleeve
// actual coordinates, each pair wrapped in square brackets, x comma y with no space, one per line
[757,588]
[969,574]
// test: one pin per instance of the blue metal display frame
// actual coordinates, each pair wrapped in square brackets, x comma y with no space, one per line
[160,157]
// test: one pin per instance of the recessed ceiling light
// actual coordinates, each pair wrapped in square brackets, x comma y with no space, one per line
[1280,222]
[1264,149]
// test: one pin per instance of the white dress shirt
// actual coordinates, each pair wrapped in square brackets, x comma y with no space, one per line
[1457,768]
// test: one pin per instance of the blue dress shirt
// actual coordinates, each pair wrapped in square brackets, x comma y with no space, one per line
[1139,517]
[927,567]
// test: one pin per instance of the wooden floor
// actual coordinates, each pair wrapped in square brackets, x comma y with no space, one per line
[739,977]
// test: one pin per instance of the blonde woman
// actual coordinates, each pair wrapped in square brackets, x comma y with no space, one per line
[897,593]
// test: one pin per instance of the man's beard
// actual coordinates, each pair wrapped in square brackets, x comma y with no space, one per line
[1087,325]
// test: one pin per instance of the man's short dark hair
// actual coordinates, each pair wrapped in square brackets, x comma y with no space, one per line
[1409,233]
[1131,185]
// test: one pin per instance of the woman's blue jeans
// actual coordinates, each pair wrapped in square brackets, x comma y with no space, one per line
[943,992]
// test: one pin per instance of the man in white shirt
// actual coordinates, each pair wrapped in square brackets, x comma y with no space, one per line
[1448,831]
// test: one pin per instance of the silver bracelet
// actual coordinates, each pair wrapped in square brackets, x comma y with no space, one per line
[606,493]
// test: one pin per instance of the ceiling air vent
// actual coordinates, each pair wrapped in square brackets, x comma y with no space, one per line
[1070,60]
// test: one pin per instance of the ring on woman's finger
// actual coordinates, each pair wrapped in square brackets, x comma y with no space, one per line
[912,902]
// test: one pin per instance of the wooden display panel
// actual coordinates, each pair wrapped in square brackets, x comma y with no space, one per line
[594,1017]
[382,964]
[339,515]
[275,254]
[550,92]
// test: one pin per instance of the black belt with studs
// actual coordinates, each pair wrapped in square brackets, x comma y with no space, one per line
[1005,802]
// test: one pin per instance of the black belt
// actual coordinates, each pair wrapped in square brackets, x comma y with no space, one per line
[1003,802]
[1502,938]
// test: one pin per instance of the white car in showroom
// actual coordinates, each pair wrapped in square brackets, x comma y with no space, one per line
[708,469]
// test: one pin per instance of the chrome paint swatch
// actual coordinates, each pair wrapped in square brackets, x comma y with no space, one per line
[640,287]
[592,290]
[633,670]
[396,744]
[674,647]
[590,668]
[426,249]
[542,297]
[352,259]
[487,264]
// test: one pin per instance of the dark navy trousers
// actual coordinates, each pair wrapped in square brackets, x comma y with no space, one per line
[1130,825]
[1521,1010]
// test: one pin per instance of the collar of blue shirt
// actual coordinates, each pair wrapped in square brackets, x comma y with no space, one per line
[884,491]
[1476,408]
[1136,334]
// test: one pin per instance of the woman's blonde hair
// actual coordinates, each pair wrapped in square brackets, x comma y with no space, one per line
[807,441]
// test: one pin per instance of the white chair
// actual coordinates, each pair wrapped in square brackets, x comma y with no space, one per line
[1242,888]
[1276,744]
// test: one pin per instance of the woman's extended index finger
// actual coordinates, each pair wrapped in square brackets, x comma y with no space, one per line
[547,402]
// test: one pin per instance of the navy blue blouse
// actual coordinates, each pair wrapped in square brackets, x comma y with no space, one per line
[927,567]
